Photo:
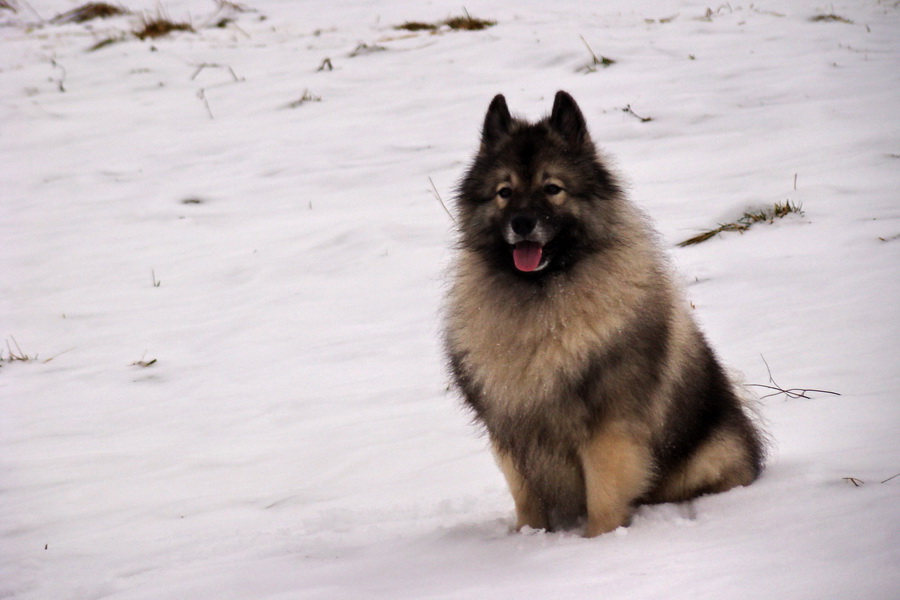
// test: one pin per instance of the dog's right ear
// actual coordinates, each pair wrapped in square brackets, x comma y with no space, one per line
[567,120]
[497,122]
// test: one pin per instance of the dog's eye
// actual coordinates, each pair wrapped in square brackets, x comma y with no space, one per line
[551,189]
[504,192]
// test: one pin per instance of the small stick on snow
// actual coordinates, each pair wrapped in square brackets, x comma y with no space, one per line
[62,79]
[792,393]
[202,95]
[202,66]
[629,110]
[439,199]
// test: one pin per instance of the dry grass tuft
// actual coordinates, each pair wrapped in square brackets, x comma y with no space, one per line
[468,23]
[306,97]
[749,218]
[416,26]
[90,11]
[363,49]
[830,18]
[464,22]
[16,354]
[144,363]
[159,26]
[601,61]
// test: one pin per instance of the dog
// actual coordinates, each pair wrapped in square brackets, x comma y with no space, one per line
[570,342]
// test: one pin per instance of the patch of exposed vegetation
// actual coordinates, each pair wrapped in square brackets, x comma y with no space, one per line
[89,12]
[16,354]
[464,22]
[417,26]
[767,215]
[662,20]
[830,18]
[468,23]
[159,26]
[234,6]
[306,97]
[363,48]
[601,61]
[106,42]
[144,363]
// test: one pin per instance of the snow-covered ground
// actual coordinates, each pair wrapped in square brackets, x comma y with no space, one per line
[282,268]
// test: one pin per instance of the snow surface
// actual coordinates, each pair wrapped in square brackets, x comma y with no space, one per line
[295,438]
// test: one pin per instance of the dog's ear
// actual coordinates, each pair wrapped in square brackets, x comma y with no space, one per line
[497,122]
[567,120]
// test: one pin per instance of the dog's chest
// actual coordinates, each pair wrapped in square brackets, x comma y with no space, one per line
[526,357]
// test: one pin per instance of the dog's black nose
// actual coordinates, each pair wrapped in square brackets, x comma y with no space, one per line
[523,224]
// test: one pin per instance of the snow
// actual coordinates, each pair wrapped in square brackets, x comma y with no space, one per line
[294,437]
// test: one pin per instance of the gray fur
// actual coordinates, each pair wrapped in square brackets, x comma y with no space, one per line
[592,354]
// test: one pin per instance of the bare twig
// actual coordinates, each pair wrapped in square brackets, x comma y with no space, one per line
[62,79]
[306,97]
[31,8]
[856,482]
[142,362]
[889,478]
[629,110]
[596,61]
[46,360]
[792,393]
[437,195]
[201,93]
[363,48]
[202,66]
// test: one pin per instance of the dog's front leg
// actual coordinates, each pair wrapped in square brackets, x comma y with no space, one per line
[529,508]
[617,470]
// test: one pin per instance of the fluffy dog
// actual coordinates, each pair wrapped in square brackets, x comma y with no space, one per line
[570,343]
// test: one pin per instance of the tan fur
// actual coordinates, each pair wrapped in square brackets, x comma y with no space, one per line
[528,509]
[684,335]
[597,388]
[617,469]
[717,466]
[559,199]
[522,340]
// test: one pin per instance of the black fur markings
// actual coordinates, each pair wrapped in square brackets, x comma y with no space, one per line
[566,118]
[472,393]
[497,122]
[528,150]
[627,373]
[591,361]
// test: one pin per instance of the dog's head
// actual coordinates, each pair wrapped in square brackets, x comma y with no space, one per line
[532,202]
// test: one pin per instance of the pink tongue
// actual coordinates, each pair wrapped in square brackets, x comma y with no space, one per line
[527,256]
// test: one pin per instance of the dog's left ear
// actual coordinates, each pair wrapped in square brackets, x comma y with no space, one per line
[497,122]
[567,120]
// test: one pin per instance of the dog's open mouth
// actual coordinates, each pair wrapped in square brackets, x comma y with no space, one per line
[527,256]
